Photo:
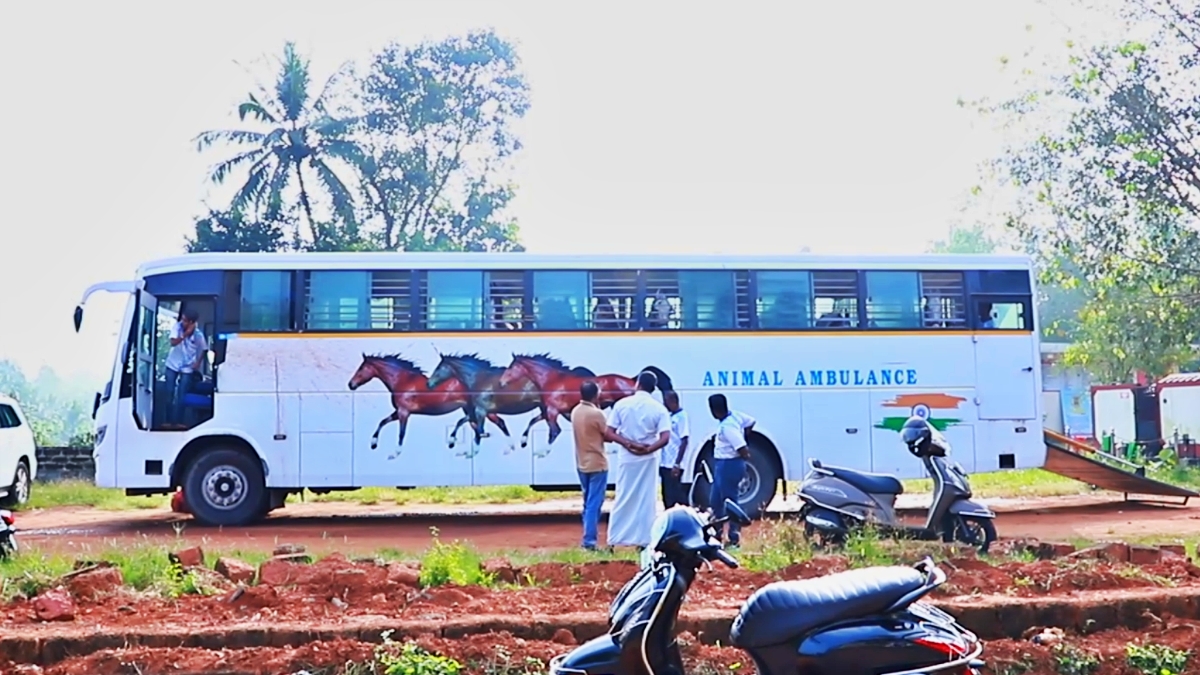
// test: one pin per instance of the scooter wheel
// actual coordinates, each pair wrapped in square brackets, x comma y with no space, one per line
[976,532]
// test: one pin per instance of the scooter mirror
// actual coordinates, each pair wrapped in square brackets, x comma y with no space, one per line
[735,513]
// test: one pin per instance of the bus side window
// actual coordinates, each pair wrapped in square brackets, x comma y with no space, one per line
[835,299]
[454,300]
[560,300]
[612,296]
[893,300]
[662,299]
[943,296]
[1002,315]
[708,299]
[784,300]
[506,299]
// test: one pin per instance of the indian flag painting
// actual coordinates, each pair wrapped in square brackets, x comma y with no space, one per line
[939,409]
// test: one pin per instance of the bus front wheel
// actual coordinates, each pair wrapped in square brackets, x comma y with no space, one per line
[225,487]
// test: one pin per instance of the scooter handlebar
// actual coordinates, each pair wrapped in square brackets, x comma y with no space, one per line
[725,558]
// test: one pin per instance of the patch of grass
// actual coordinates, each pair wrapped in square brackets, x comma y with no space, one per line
[778,545]
[1012,483]
[143,568]
[83,493]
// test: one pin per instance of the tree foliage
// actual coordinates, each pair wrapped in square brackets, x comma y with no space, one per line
[57,411]
[1105,176]
[411,153]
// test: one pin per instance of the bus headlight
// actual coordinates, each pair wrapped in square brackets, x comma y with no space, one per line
[100,434]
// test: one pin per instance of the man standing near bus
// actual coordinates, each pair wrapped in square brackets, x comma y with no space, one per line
[591,431]
[730,453]
[188,348]
[671,462]
[646,423]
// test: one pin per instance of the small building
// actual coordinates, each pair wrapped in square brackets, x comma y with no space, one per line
[1066,394]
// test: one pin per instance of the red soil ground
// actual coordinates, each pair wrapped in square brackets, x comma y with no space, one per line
[491,653]
[335,591]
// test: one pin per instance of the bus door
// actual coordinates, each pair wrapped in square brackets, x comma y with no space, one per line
[147,343]
[1006,359]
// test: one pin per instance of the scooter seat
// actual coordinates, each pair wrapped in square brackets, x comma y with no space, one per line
[871,483]
[786,610]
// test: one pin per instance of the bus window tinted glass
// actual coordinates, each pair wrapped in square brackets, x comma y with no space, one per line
[613,293]
[338,300]
[708,300]
[266,301]
[1002,316]
[784,300]
[454,300]
[893,300]
[560,300]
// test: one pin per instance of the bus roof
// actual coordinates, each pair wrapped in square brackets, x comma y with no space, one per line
[385,261]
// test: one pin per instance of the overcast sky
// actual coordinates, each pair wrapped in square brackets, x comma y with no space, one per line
[656,127]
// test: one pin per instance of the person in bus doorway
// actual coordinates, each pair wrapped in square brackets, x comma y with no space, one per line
[670,469]
[591,432]
[647,424]
[730,453]
[188,348]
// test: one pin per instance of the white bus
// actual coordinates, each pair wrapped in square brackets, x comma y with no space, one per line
[346,370]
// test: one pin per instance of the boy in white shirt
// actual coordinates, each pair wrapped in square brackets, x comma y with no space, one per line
[188,348]
[670,467]
[730,453]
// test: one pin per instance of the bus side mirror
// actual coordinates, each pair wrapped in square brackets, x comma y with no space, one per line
[78,317]
[95,405]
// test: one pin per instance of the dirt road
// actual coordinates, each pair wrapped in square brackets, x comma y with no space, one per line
[352,528]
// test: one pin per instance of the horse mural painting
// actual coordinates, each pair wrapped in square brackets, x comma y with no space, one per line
[488,398]
[559,386]
[411,393]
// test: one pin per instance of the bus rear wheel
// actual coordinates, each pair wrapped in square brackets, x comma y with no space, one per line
[758,487]
[225,487]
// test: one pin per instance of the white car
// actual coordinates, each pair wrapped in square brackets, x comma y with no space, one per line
[18,459]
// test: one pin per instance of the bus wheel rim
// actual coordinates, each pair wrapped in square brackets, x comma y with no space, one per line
[225,487]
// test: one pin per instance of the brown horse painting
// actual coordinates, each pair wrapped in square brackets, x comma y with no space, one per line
[411,393]
[488,397]
[559,385]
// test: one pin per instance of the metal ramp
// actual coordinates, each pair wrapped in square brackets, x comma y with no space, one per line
[1068,457]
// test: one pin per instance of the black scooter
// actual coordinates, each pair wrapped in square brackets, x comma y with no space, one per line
[860,622]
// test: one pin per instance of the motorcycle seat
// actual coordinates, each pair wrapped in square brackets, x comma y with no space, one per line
[871,483]
[786,610]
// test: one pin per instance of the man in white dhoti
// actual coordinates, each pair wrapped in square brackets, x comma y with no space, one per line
[646,423]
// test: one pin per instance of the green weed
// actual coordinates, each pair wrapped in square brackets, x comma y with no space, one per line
[1155,659]
[453,563]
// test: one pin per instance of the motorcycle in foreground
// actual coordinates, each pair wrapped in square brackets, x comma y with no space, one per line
[837,499]
[8,534]
[862,622]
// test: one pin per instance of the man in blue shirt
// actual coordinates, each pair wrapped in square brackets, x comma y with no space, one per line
[729,453]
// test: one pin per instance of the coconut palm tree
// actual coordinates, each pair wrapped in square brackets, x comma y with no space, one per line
[295,139]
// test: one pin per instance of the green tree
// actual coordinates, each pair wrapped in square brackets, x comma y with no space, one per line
[1104,171]
[966,239]
[437,126]
[58,411]
[231,232]
[293,144]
